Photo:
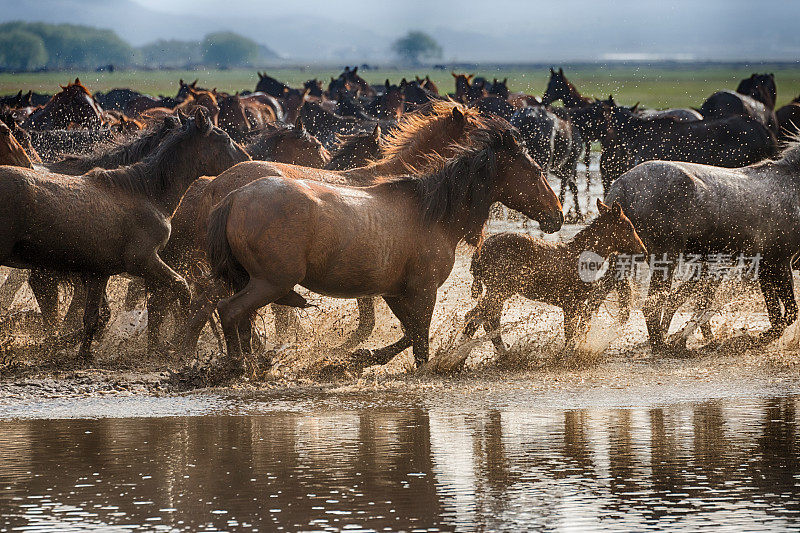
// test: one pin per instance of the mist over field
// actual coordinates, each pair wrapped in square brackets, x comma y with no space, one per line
[468,30]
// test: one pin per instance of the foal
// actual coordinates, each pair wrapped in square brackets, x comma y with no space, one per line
[510,263]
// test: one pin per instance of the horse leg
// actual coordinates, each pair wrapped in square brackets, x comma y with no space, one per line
[157,310]
[95,287]
[135,293]
[45,289]
[587,159]
[415,313]
[239,308]
[777,287]
[366,323]
[493,312]
[654,307]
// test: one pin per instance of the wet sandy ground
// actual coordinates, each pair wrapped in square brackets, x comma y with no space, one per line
[620,357]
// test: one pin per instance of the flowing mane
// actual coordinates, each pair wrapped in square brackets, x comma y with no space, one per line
[156,172]
[116,154]
[464,181]
[346,154]
[416,130]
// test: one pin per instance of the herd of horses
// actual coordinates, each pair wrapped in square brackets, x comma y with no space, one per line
[226,202]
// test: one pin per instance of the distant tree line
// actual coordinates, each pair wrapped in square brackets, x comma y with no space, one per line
[34,46]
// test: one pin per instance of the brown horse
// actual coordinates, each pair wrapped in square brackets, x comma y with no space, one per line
[509,263]
[200,98]
[405,151]
[73,106]
[109,221]
[11,152]
[395,239]
[356,151]
[462,86]
[287,144]
[761,87]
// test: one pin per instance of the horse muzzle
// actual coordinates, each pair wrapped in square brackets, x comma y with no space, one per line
[552,224]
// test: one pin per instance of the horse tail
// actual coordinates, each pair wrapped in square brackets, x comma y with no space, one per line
[476,270]
[223,263]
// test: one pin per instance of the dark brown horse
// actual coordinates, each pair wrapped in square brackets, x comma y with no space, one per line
[462,86]
[356,151]
[510,263]
[724,104]
[109,221]
[761,87]
[789,119]
[388,105]
[407,230]
[729,142]
[554,143]
[73,106]
[287,144]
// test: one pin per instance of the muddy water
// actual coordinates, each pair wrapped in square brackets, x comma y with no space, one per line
[491,457]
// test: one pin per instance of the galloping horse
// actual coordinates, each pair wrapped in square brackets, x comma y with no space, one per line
[74,105]
[275,233]
[108,221]
[701,209]
[406,150]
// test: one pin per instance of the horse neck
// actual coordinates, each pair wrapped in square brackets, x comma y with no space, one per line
[572,98]
[157,179]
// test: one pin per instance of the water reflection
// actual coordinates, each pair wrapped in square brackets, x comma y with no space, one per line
[732,462]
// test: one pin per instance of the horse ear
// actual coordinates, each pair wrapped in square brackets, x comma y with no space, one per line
[470,76]
[552,71]
[194,83]
[458,115]
[298,124]
[505,81]
[171,121]
[376,133]
[561,71]
[508,139]
[306,92]
[77,81]
[601,207]
[616,210]
[180,82]
[355,69]
[182,118]
[202,120]
[454,74]
[387,84]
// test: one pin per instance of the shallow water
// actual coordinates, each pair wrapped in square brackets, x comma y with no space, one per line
[488,457]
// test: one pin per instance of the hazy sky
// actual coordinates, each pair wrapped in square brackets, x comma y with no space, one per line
[480,30]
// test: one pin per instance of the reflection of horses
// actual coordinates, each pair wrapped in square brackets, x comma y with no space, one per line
[699,209]
[554,144]
[406,150]
[729,142]
[407,229]
[287,144]
[510,263]
[73,106]
[108,221]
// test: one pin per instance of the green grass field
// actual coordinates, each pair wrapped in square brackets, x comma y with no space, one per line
[654,87]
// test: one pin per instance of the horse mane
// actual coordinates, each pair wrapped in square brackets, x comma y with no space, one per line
[464,182]
[114,154]
[153,174]
[791,154]
[415,129]
[267,138]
